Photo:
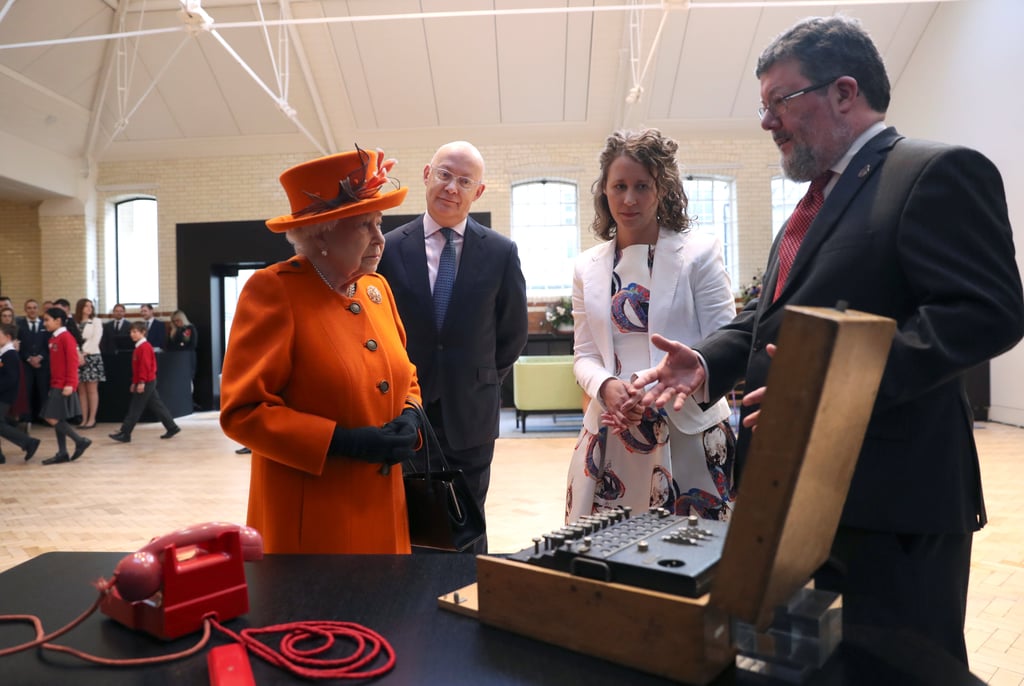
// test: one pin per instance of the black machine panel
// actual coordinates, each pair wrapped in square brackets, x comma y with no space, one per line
[654,550]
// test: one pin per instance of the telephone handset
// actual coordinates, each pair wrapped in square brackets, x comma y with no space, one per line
[168,586]
[139,575]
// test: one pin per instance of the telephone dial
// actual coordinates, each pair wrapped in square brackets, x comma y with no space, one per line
[167,587]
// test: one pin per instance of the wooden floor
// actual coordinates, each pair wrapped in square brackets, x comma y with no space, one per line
[118,496]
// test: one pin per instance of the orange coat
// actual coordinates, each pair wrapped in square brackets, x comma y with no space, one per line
[301,360]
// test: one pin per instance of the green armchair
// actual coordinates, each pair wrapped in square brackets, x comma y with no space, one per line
[545,384]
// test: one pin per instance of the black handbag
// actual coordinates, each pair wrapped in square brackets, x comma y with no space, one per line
[443,514]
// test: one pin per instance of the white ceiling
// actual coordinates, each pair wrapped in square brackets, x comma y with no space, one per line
[169,86]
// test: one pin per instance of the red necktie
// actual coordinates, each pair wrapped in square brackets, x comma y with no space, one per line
[796,227]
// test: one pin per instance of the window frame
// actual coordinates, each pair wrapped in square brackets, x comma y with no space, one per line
[147,255]
[727,229]
[549,291]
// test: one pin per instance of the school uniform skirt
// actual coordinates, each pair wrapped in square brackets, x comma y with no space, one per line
[60,406]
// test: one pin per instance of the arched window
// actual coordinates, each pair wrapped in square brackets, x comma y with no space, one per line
[785,196]
[712,207]
[137,263]
[545,227]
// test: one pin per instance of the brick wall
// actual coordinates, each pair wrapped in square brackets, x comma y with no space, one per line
[21,265]
[246,187]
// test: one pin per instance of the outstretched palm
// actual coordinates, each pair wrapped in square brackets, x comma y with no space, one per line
[678,375]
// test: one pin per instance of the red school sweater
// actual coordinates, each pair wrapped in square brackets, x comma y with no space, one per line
[143,363]
[63,360]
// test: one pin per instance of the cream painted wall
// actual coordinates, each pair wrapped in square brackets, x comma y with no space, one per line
[963,86]
[246,187]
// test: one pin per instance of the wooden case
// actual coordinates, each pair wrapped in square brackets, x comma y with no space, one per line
[822,386]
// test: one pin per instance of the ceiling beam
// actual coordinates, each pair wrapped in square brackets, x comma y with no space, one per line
[307,75]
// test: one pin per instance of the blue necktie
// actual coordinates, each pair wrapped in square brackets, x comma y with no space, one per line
[445,278]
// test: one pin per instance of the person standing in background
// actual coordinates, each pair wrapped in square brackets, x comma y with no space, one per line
[71,324]
[462,297]
[156,330]
[115,332]
[36,355]
[183,338]
[10,380]
[91,372]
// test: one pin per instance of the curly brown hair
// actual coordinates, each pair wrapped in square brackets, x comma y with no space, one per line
[657,153]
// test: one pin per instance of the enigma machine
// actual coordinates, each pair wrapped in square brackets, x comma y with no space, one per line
[655,550]
[682,591]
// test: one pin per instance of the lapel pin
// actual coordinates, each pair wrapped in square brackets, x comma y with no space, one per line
[374,294]
[864,172]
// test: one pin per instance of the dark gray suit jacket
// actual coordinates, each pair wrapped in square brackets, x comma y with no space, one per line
[484,332]
[919,232]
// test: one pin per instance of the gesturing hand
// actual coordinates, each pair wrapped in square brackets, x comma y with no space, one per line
[678,374]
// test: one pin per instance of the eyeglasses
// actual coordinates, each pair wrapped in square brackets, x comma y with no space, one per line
[781,103]
[463,182]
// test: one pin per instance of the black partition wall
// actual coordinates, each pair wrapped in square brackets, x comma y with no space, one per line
[207,252]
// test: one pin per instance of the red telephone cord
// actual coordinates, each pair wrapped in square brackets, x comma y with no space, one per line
[291,657]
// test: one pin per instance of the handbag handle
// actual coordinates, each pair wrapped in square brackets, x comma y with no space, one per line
[430,442]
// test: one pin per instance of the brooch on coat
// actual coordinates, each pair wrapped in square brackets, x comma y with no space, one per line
[374,294]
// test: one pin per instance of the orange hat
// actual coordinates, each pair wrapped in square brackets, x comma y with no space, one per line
[342,185]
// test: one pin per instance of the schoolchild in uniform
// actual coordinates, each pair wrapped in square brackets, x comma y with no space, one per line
[62,401]
[143,389]
[10,377]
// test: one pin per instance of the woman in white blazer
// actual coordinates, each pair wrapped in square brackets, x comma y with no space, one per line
[652,275]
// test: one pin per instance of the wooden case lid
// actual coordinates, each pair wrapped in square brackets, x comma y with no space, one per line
[821,390]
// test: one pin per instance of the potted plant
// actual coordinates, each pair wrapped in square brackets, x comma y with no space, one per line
[750,291]
[558,315]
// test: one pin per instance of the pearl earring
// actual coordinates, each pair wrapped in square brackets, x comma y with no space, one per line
[323,252]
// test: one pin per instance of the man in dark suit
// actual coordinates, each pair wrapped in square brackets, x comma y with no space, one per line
[35,353]
[156,330]
[116,335]
[912,230]
[462,360]
[71,325]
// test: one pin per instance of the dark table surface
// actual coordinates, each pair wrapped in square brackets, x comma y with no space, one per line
[395,596]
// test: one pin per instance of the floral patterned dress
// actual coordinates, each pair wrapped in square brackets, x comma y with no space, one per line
[653,464]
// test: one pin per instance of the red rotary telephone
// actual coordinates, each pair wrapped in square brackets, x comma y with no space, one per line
[172,583]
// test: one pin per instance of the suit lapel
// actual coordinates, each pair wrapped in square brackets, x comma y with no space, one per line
[667,271]
[472,262]
[413,251]
[597,287]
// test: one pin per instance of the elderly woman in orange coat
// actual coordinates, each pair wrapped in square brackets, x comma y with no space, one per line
[316,377]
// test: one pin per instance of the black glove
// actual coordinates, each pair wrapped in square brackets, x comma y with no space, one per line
[406,424]
[372,444]
[388,445]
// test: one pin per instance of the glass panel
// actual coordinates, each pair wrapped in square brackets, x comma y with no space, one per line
[545,227]
[138,263]
[233,286]
[712,209]
[785,196]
